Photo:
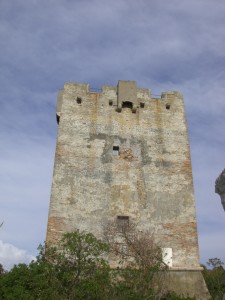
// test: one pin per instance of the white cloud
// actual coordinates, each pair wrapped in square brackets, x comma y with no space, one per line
[11,255]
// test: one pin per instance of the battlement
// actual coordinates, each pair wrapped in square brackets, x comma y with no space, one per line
[125,95]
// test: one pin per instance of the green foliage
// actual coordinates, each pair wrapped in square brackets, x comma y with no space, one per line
[2,271]
[215,278]
[77,270]
[133,284]
[81,269]
[29,282]
[214,263]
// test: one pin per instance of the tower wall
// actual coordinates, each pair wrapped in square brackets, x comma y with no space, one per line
[124,154]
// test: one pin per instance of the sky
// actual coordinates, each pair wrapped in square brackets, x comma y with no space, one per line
[162,45]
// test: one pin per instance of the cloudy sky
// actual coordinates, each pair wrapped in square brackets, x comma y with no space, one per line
[163,45]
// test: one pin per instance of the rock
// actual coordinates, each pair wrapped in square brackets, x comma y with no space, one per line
[220,187]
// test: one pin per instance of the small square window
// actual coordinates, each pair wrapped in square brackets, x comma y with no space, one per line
[122,223]
[79,100]
[116,150]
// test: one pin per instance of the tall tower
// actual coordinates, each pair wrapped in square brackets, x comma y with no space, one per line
[124,155]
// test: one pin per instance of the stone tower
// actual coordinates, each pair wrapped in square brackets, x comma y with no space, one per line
[124,155]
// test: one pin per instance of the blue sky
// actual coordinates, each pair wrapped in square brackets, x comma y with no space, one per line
[163,45]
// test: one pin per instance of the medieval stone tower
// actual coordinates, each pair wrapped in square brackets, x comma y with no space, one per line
[124,155]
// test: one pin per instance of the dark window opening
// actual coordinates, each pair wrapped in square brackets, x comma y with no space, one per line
[110,102]
[167,106]
[57,119]
[116,150]
[79,100]
[142,104]
[127,104]
[122,223]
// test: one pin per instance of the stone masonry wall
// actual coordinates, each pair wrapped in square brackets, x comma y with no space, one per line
[150,180]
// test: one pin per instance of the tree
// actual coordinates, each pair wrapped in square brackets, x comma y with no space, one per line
[214,263]
[140,262]
[2,271]
[77,270]
[82,271]
[215,278]
[73,270]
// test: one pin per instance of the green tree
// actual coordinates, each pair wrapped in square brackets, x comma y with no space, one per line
[2,271]
[74,270]
[215,278]
[77,269]
[214,263]
[80,266]
[34,281]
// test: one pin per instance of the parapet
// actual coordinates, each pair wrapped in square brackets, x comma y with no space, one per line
[125,95]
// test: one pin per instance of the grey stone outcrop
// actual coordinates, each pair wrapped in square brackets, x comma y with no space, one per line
[220,187]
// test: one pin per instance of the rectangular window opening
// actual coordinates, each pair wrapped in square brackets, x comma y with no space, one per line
[122,223]
[79,100]
[167,106]
[116,150]
[127,104]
